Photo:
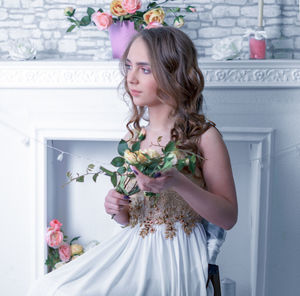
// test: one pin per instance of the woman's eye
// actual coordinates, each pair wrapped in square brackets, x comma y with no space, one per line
[127,67]
[146,71]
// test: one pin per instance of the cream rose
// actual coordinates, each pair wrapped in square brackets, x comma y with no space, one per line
[76,249]
[130,157]
[102,20]
[154,15]
[69,11]
[142,134]
[59,264]
[141,158]
[116,8]
[151,152]
[178,22]
[131,6]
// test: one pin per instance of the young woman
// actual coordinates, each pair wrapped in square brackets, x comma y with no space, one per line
[161,250]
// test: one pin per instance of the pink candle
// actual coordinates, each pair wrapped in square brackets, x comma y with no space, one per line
[257,48]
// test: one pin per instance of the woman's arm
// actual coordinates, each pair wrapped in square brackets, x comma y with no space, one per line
[218,204]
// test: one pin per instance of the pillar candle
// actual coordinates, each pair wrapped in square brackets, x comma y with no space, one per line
[260,12]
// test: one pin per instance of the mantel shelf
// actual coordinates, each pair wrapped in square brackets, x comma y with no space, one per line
[106,74]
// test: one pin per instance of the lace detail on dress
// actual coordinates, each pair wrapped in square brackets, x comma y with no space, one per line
[169,208]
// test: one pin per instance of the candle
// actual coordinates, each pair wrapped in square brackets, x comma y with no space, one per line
[260,12]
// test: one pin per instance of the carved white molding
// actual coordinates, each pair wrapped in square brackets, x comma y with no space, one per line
[96,74]
[261,143]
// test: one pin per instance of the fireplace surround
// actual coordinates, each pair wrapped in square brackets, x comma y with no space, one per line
[255,105]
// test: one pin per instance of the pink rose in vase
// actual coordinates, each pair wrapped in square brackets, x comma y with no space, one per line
[102,20]
[54,238]
[64,252]
[131,6]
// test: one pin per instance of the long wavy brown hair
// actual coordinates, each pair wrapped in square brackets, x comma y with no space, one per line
[174,65]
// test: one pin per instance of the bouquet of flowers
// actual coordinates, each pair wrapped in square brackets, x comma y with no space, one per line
[121,10]
[59,251]
[148,161]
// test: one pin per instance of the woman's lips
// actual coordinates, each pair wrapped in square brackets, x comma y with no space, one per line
[134,92]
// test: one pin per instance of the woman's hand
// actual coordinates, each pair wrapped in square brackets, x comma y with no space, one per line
[116,203]
[161,182]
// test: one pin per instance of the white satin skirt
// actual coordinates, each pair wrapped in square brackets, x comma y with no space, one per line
[128,264]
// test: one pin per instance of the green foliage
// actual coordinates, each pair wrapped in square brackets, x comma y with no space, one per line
[122,147]
[136,146]
[118,161]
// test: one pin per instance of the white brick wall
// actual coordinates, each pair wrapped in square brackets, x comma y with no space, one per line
[44,22]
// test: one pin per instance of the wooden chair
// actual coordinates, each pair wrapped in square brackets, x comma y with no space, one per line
[214,277]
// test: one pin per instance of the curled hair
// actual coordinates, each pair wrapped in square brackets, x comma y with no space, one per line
[174,65]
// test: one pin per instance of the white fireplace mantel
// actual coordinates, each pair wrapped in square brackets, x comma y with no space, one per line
[106,74]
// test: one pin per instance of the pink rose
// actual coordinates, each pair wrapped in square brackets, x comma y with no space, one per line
[64,252]
[54,238]
[102,20]
[153,25]
[55,224]
[131,6]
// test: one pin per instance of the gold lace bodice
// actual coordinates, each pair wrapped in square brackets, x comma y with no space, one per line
[169,208]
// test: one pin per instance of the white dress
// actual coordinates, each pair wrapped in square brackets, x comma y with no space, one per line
[162,252]
[148,260]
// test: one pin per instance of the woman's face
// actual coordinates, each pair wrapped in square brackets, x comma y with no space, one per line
[141,83]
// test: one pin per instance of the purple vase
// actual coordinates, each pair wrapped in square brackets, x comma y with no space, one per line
[120,34]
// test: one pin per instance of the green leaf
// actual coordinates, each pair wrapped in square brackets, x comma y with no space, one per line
[180,164]
[106,171]
[85,21]
[192,163]
[122,146]
[113,179]
[134,190]
[121,170]
[71,28]
[74,239]
[170,146]
[72,20]
[100,9]
[151,5]
[90,11]
[118,161]
[80,179]
[136,146]
[175,9]
[95,177]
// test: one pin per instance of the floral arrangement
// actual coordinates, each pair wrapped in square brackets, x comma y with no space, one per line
[148,161]
[122,10]
[59,251]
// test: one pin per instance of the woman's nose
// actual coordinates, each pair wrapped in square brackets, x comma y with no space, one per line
[132,77]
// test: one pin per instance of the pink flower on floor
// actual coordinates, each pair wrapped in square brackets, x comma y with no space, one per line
[131,6]
[153,25]
[54,238]
[55,224]
[102,20]
[64,252]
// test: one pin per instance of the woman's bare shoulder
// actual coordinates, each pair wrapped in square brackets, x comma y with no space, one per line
[210,140]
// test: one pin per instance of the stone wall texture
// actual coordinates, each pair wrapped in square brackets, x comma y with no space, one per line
[43,22]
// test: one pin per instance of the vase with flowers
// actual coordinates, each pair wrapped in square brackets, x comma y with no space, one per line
[125,19]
